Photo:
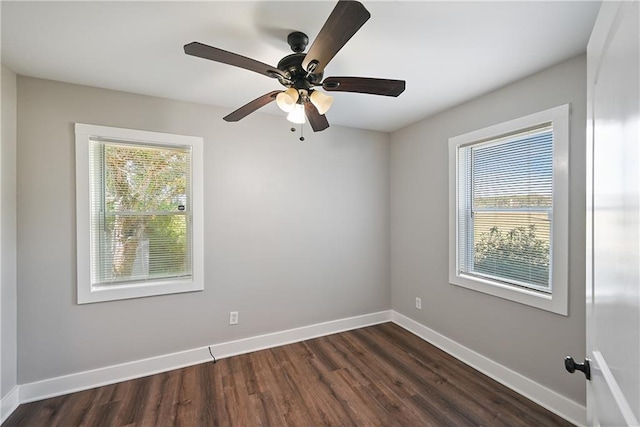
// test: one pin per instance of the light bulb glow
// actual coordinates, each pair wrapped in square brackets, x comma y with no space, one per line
[297,115]
[321,101]
[287,99]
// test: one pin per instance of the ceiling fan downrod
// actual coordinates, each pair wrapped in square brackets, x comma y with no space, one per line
[298,41]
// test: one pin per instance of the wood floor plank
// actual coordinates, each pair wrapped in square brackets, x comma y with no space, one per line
[267,398]
[376,376]
[313,397]
[438,392]
[460,376]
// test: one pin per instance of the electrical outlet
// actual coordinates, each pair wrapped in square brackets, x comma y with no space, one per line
[419,303]
[233,318]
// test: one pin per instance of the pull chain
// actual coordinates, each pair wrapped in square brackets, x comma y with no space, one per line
[301,132]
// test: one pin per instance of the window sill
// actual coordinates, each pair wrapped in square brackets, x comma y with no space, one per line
[530,297]
[126,290]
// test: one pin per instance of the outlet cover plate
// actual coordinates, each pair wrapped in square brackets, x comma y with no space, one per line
[233,318]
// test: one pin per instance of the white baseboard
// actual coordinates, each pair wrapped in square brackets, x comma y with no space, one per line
[9,403]
[538,393]
[140,368]
[543,396]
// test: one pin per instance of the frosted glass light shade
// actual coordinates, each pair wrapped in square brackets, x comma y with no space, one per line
[287,100]
[321,101]
[297,115]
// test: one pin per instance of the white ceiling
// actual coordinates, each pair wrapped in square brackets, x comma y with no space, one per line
[448,52]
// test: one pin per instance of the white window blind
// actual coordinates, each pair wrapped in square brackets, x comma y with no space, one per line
[505,200]
[141,214]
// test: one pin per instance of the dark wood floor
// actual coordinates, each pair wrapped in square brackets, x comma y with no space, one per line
[376,376]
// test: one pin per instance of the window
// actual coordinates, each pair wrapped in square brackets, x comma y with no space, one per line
[139,213]
[509,210]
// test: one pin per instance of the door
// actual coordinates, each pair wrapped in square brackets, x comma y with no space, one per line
[613,216]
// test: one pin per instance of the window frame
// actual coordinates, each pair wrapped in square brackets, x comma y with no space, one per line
[86,291]
[555,301]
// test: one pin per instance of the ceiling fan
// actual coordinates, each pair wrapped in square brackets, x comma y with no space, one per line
[301,73]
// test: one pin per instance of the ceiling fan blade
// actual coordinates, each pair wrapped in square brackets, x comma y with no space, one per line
[317,121]
[345,20]
[386,87]
[252,106]
[213,53]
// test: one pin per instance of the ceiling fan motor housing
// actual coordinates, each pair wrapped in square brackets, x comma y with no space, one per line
[298,77]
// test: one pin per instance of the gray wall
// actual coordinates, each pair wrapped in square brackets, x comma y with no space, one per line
[528,340]
[295,233]
[8,305]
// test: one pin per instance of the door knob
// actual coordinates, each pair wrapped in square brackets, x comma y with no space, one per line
[571,366]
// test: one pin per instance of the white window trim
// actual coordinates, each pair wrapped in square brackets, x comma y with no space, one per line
[88,293]
[557,301]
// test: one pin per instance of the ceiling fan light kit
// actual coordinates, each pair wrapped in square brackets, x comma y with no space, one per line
[321,101]
[297,115]
[287,99]
[301,73]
